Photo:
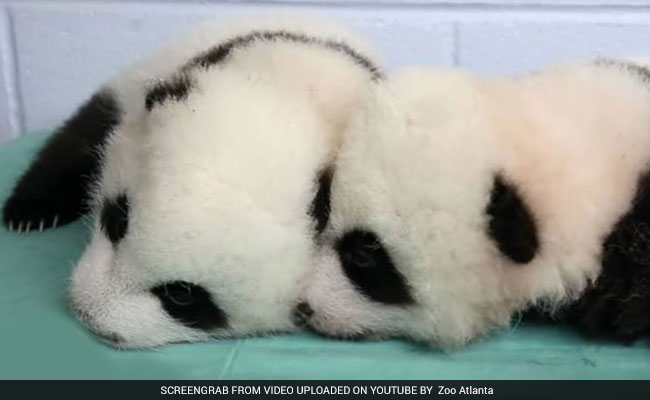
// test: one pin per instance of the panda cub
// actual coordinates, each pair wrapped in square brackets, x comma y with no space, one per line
[200,168]
[458,202]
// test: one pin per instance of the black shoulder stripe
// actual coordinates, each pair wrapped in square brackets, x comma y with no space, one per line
[179,87]
[54,189]
[176,88]
[637,70]
[219,53]
[617,305]
[511,224]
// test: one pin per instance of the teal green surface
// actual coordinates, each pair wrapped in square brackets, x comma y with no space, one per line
[40,339]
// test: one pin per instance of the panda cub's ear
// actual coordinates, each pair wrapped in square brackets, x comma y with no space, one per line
[510,222]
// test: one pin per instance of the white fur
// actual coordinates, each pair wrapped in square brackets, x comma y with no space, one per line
[219,184]
[417,167]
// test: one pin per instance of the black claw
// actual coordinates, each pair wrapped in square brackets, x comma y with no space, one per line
[28,213]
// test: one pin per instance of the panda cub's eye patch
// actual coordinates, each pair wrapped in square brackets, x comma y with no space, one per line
[511,223]
[369,266]
[190,304]
[320,207]
[115,218]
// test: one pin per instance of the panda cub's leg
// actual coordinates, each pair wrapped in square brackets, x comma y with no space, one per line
[617,305]
[54,189]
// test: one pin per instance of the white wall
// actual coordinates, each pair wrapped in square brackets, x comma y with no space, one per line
[53,53]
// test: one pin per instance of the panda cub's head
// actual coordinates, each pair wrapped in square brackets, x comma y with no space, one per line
[208,202]
[414,200]
[457,202]
[202,215]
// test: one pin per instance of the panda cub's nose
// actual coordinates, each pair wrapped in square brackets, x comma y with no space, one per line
[304,309]
[302,313]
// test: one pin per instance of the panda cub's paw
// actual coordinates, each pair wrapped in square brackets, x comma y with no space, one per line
[39,211]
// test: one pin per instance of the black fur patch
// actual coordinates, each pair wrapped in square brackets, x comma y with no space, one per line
[320,207]
[190,304]
[617,305]
[639,71]
[511,224]
[369,267]
[301,313]
[54,189]
[115,218]
[213,56]
[176,88]
[219,53]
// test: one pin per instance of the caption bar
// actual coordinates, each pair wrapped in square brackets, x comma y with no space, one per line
[249,389]
[307,390]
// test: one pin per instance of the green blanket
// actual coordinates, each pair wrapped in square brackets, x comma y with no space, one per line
[40,338]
